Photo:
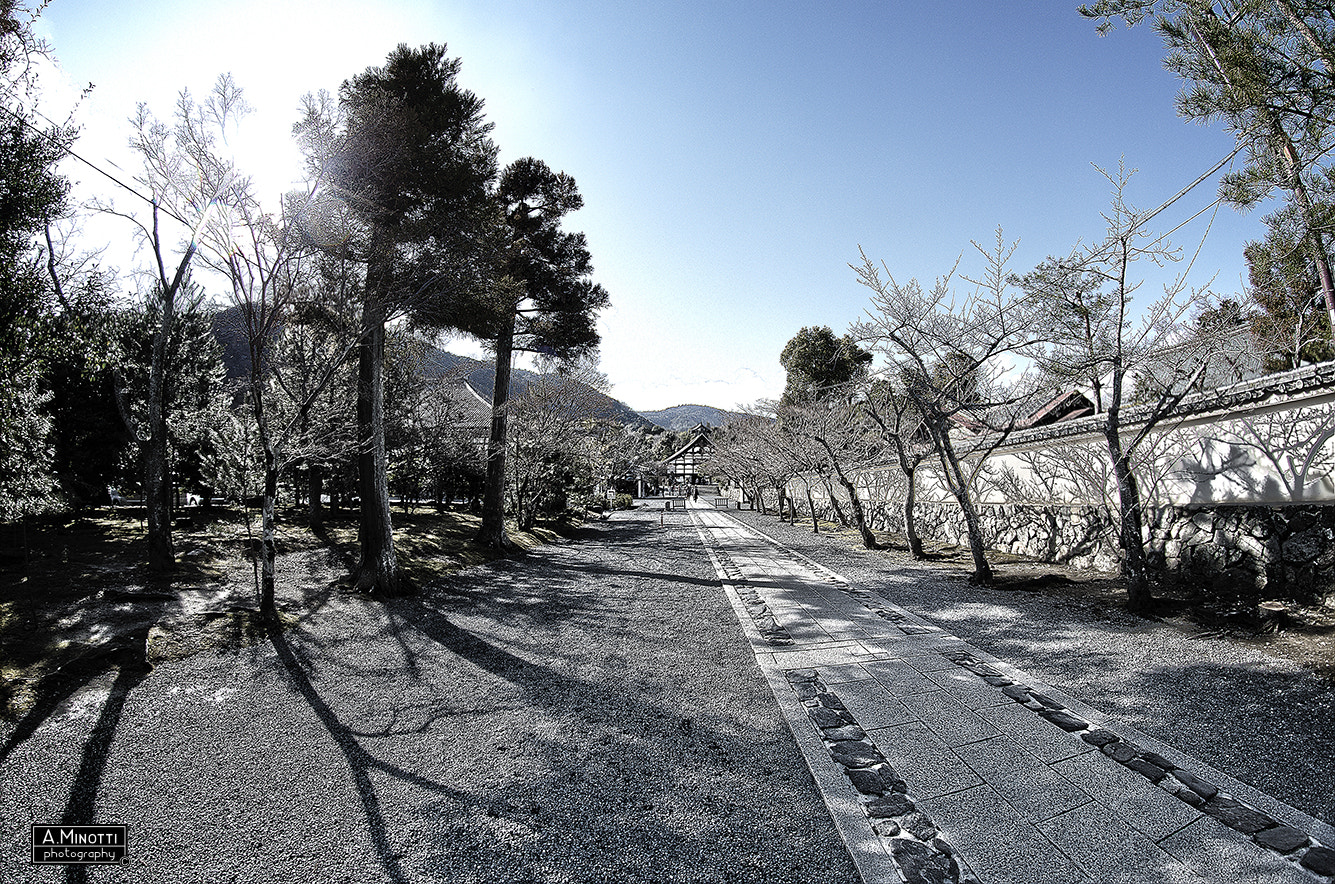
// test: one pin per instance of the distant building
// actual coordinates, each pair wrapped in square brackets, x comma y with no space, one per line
[683,467]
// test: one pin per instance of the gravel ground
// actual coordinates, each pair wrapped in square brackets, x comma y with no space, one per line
[1260,719]
[590,712]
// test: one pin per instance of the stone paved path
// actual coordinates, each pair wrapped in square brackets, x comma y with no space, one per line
[940,763]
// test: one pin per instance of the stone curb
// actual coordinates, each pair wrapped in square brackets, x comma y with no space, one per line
[907,832]
[1196,791]
[1270,824]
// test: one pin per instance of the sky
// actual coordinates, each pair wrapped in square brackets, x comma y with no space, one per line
[733,156]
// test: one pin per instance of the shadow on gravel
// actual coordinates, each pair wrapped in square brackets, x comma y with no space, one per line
[583,740]
[651,575]
[127,659]
[80,810]
[74,670]
[360,762]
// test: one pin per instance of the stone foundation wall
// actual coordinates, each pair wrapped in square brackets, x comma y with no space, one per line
[1289,550]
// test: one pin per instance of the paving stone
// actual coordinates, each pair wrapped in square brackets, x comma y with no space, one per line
[1151,772]
[922,865]
[868,782]
[888,828]
[900,679]
[1110,850]
[998,681]
[889,805]
[1190,797]
[1036,736]
[801,674]
[855,753]
[807,690]
[872,705]
[1320,860]
[1284,839]
[892,780]
[1099,737]
[1196,784]
[847,732]
[1029,785]
[926,663]
[1065,720]
[919,825]
[921,758]
[1017,692]
[1121,751]
[830,701]
[1158,760]
[967,689]
[953,721]
[1127,795]
[1217,853]
[996,842]
[1237,815]
[1046,700]
[837,675]
[824,717]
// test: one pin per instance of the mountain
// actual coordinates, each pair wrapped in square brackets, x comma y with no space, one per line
[683,417]
[481,379]
[476,375]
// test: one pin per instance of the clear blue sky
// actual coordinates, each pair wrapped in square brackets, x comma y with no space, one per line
[732,156]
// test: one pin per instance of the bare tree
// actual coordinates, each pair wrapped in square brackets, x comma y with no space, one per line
[902,429]
[954,355]
[267,263]
[1136,367]
[184,176]
[840,441]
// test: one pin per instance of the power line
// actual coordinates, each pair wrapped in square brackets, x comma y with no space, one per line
[65,148]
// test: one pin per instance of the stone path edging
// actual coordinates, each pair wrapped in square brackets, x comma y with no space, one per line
[909,834]
[872,793]
[1167,774]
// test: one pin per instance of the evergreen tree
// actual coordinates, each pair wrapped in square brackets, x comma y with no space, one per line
[412,161]
[1264,69]
[31,195]
[818,364]
[544,300]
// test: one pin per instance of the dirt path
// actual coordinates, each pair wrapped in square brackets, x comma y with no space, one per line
[590,712]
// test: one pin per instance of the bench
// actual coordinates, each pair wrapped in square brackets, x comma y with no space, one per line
[673,505]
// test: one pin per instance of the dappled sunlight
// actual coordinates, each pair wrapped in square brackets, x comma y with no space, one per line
[975,611]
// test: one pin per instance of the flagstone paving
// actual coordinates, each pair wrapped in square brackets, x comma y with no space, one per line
[941,763]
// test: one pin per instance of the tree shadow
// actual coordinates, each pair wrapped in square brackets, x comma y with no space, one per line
[610,750]
[82,804]
[361,764]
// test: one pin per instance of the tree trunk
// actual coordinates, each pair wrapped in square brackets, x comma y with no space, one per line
[1135,569]
[378,570]
[834,503]
[811,502]
[859,513]
[492,531]
[157,485]
[269,550]
[959,486]
[910,527]
[315,491]
[854,502]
